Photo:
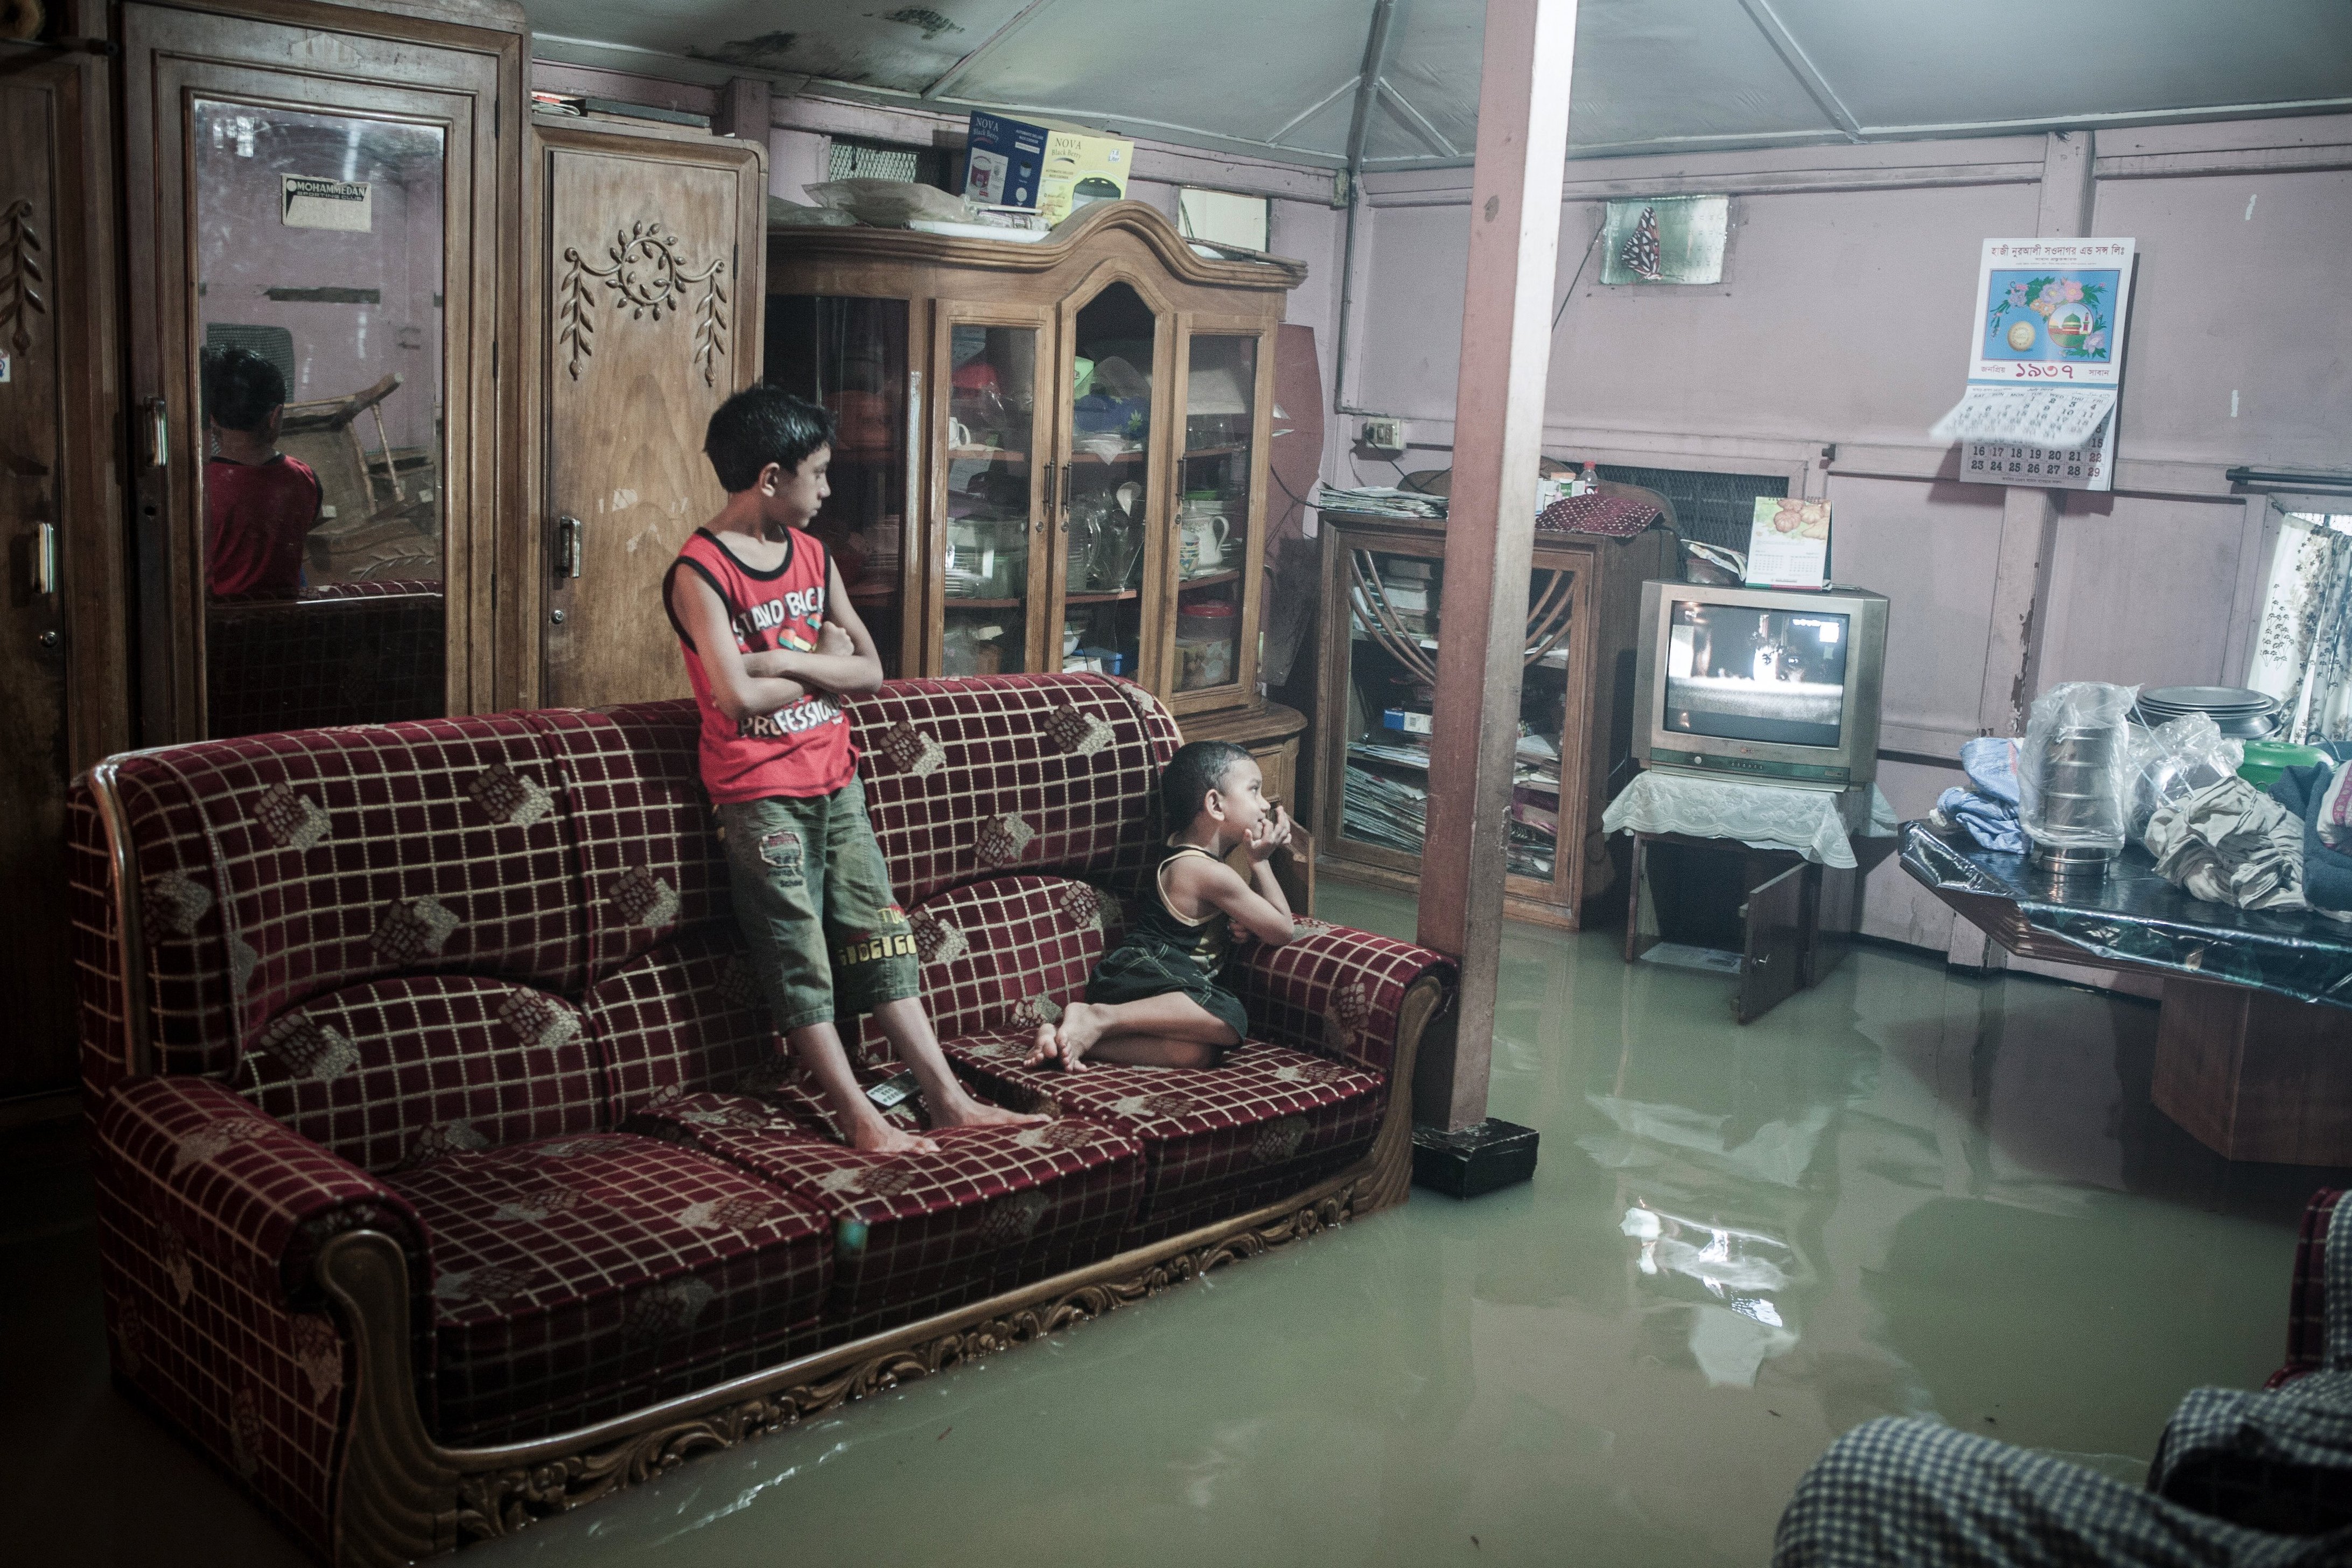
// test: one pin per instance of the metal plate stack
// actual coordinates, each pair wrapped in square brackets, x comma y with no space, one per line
[2237,713]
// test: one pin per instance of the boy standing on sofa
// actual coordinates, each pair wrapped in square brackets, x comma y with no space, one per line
[771,643]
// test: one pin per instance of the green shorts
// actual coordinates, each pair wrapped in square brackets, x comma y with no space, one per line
[1141,968]
[814,898]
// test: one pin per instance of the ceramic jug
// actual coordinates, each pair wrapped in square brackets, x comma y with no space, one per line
[1201,541]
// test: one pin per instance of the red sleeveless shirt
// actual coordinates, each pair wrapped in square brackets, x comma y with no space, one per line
[801,750]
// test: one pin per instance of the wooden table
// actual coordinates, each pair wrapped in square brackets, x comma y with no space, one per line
[2253,1043]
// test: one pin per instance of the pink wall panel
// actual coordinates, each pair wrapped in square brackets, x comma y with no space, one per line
[1929,549]
[2141,592]
[2242,289]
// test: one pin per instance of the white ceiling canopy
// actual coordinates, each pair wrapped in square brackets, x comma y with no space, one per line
[1295,79]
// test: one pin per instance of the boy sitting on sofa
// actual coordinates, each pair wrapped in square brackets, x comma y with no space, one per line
[1159,999]
[772,644]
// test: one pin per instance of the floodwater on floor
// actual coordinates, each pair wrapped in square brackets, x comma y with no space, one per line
[1905,1192]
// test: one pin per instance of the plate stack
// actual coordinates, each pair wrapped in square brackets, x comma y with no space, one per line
[2236,711]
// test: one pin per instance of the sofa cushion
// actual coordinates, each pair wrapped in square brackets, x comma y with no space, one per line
[1001,774]
[995,952]
[574,1278]
[915,1233]
[276,867]
[650,862]
[1216,1141]
[683,1018]
[391,1072]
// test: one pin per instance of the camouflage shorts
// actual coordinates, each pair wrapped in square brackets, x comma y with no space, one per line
[813,896]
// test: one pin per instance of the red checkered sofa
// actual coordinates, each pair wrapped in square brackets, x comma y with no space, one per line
[446,1173]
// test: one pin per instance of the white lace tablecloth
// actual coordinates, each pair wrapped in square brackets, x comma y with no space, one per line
[1814,823]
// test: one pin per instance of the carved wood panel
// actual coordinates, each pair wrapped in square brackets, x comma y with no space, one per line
[649,311]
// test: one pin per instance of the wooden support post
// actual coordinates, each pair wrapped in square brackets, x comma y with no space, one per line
[744,109]
[2029,526]
[1490,527]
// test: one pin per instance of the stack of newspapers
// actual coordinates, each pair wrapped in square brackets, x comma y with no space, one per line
[1380,501]
[1381,810]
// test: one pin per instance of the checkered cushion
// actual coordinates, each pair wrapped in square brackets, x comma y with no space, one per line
[2307,1304]
[1010,951]
[1334,991]
[97,949]
[685,1018]
[574,1278]
[915,1233]
[278,867]
[391,1072]
[1265,1120]
[647,841]
[237,1185]
[974,778]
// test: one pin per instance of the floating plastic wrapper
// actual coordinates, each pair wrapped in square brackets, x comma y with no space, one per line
[2175,760]
[2074,772]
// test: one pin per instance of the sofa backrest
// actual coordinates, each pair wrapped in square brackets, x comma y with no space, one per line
[552,850]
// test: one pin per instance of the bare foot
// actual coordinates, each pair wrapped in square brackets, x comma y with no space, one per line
[878,1137]
[1082,1025]
[969,1112]
[1046,1048]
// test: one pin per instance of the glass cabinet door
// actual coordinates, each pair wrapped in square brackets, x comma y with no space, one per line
[1107,500]
[1391,672]
[991,583]
[850,356]
[1213,512]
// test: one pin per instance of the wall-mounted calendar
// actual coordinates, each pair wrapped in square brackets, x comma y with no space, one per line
[2045,362]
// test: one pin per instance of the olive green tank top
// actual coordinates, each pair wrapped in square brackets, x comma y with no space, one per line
[1207,941]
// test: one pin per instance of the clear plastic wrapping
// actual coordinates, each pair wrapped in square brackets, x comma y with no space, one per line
[2174,761]
[2074,769]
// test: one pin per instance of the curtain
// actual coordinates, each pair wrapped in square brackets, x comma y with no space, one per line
[2303,655]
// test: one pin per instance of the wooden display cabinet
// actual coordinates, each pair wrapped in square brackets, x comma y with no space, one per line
[1052,455]
[1382,578]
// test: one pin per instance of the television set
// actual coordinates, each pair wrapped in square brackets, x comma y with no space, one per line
[1768,685]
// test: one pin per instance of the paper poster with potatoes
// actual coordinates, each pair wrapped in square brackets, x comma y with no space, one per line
[1789,543]
[2050,312]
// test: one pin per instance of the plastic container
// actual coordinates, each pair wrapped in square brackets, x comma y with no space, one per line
[2266,760]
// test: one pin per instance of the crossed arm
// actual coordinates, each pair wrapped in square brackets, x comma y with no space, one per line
[844,664]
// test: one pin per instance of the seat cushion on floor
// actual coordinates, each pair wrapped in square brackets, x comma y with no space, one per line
[391,1072]
[1216,1141]
[577,1278]
[917,1234]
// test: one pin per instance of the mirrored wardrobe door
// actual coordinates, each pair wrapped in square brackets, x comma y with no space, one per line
[307,369]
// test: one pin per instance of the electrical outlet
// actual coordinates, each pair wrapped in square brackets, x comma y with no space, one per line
[1384,434]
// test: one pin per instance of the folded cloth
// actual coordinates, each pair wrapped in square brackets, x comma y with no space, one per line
[1989,812]
[2228,843]
[2327,873]
[2333,814]
[1990,763]
[1991,822]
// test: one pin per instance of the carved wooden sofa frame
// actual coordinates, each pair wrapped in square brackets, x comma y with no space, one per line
[400,1493]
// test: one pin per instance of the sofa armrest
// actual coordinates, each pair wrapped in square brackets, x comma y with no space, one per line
[1334,991]
[2309,1300]
[254,1196]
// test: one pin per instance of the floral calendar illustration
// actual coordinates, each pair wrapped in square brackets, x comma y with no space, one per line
[2045,361]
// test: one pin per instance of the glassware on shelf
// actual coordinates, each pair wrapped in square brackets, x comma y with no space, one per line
[990,425]
[850,356]
[1109,480]
[1220,402]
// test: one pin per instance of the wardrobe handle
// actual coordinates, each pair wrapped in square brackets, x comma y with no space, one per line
[568,530]
[159,434]
[1052,491]
[1065,498]
[45,559]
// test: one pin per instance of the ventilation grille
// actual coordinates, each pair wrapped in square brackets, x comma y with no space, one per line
[1716,507]
[882,160]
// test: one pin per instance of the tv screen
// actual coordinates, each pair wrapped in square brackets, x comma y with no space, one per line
[1743,674]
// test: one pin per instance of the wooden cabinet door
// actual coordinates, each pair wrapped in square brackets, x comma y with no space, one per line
[51,515]
[650,294]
